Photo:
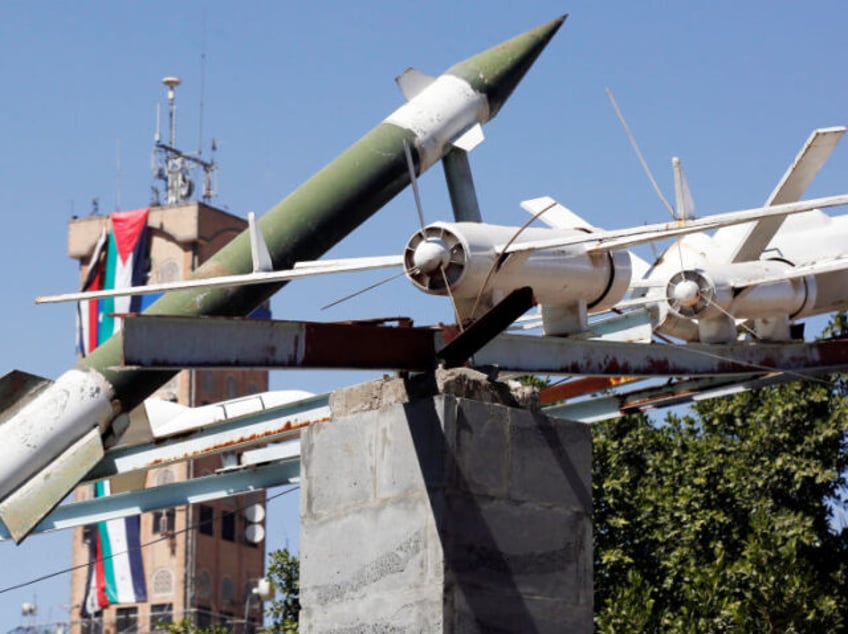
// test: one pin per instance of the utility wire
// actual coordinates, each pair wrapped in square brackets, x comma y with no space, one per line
[170,534]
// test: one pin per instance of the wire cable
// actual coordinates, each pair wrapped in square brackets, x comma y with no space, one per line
[170,534]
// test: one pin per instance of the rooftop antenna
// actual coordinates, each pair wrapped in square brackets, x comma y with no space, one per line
[172,83]
[202,86]
[172,165]
[117,174]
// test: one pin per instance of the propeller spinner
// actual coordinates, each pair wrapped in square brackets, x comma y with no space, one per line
[434,258]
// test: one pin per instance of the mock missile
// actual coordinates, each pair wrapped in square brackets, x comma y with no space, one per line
[465,261]
[574,268]
[55,433]
[760,276]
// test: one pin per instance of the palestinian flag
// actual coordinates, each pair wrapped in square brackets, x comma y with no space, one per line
[118,569]
[95,597]
[120,259]
[127,264]
[88,312]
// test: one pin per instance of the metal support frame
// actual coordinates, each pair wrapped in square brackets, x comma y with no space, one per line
[149,342]
[613,405]
[183,342]
[263,427]
[712,370]
[205,489]
[271,465]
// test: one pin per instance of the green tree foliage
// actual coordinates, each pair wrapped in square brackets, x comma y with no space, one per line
[284,573]
[187,626]
[531,380]
[722,520]
[284,610]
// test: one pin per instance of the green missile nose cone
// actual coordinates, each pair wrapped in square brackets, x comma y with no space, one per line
[497,71]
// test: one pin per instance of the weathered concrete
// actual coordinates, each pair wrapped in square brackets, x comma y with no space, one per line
[423,510]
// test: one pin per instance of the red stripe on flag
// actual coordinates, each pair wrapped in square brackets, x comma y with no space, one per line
[102,599]
[126,227]
[94,310]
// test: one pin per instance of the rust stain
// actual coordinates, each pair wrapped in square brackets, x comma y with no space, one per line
[638,404]
[449,332]
[581,387]
[252,438]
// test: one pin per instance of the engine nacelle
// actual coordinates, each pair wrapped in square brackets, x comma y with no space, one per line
[718,295]
[736,289]
[462,260]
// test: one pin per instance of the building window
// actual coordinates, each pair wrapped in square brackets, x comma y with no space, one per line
[90,625]
[206,520]
[165,476]
[169,271]
[230,387]
[126,621]
[204,618]
[228,526]
[204,585]
[163,582]
[228,592]
[164,521]
[227,620]
[208,381]
[161,615]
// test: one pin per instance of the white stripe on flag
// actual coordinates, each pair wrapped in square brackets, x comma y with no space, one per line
[121,561]
[123,279]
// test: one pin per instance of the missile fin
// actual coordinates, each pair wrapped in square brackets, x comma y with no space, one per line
[752,240]
[24,508]
[17,388]
[555,215]
[412,82]
[258,248]
[470,139]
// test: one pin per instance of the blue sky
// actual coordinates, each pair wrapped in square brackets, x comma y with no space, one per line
[734,88]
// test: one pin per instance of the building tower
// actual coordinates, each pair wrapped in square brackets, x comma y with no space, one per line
[200,561]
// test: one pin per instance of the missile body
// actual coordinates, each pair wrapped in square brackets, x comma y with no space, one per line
[48,429]
[469,254]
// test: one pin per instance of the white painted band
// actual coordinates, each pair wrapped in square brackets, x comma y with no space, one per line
[52,422]
[440,114]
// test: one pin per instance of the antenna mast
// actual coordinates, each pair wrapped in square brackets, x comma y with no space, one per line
[172,165]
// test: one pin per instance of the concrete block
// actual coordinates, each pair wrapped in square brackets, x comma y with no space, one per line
[341,472]
[552,461]
[369,397]
[458,382]
[445,514]
[393,613]
[482,448]
[508,614]
[522,549]
[411,448]
[375,550]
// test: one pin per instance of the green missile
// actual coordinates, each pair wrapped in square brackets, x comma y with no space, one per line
[441,113]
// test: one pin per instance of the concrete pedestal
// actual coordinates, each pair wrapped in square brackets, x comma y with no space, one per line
[441,513]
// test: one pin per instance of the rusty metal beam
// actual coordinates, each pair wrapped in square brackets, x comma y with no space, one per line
[593,410]
[582,387]
[487,327]
[180,342]
[183,342]
[237,434]
[552,355]
[203,489]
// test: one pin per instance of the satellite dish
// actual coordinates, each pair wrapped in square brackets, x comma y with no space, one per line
[186,184]
[254,533]
[264,589]
[254,513]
